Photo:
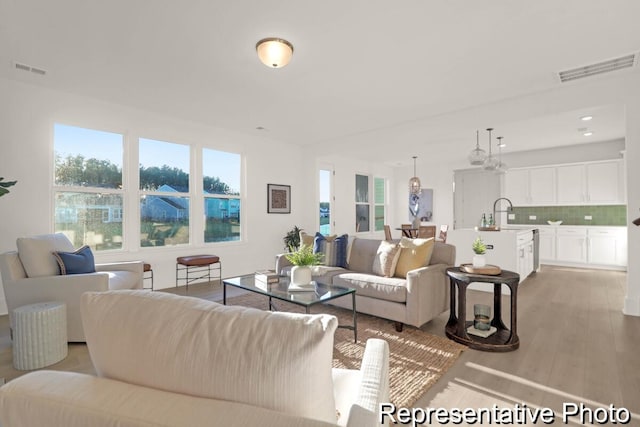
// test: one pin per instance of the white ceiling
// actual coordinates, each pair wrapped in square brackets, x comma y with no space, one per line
[362,67]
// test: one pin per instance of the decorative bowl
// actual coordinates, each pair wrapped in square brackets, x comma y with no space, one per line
[554,222]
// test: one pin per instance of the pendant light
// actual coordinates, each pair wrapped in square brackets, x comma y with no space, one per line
[414,182]
[502,167]
[477,155]
[490,163]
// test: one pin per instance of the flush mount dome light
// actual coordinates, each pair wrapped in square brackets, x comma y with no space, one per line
[274,52]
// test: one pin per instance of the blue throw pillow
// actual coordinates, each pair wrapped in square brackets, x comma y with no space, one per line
[78,262]
[334,249]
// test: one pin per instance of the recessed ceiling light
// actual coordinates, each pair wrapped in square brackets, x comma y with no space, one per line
[588,133]
[586,118]
[260,128]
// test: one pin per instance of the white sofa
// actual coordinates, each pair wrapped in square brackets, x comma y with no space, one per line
[32,275]
[172,361]
[412,300]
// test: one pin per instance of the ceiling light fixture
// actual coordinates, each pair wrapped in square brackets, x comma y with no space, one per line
[274,52]
[477,155]
[586,118]
[588,133]
[414,182]
[491,163]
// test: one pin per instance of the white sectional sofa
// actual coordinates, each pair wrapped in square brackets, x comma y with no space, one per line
[412,300]
[176,361]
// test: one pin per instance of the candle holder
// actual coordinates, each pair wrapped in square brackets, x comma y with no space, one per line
[481,317]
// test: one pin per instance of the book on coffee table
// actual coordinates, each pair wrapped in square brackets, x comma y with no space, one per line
[480,333]
[267,276]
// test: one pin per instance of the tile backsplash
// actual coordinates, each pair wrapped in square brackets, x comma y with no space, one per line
[571,215]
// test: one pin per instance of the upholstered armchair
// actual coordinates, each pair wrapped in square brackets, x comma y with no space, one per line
[32,275]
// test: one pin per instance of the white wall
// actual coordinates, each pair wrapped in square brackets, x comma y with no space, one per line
[27,115]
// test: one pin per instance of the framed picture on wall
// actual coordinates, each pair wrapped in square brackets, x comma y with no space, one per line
[278,198]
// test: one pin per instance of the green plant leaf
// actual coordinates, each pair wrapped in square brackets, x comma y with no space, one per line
[305,256]
[478,246]
[5,185]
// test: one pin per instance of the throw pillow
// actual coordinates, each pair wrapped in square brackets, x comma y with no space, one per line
[384,264]
[78,262]
[334,249]
[306,239]
[414,253]
[35,253]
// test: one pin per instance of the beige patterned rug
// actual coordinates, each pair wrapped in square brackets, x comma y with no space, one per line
[417,359]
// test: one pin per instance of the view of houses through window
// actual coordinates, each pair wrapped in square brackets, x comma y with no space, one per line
[164,188]
[89,193]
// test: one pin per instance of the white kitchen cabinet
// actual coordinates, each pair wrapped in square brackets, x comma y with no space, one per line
[547,248]
[604,182]
[571,184]
[571,245]
[531,186]
[592,183]
[517,186]
[607,246]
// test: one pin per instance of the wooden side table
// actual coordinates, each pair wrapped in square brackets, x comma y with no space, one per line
[39,335]
[504,339]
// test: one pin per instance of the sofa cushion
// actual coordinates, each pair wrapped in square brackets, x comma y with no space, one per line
[204,349]
[362,253]
[36,253]
[369,285]
[384,264]
[415,253]
[334,249]
[77,262]
[306,239]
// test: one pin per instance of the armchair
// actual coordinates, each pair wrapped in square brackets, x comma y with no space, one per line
[28,278]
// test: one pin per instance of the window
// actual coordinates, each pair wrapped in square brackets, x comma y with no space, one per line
[88,186]
[362,203]
[325,197]
[379,190]
[221,178]
[164,193]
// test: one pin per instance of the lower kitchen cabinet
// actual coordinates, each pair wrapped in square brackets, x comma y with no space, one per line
[571,245]
[588,246]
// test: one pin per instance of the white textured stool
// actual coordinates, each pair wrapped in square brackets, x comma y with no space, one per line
[39,335]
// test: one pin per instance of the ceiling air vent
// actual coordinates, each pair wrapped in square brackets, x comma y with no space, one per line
[599,68]
[29,68]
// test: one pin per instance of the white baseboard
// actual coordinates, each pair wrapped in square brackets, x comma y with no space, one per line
[631,306]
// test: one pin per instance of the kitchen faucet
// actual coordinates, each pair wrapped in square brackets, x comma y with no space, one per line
[509,209]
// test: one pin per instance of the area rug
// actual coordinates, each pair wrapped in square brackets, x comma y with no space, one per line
[416,358]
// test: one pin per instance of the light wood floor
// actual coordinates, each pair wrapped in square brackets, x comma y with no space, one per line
[576,346]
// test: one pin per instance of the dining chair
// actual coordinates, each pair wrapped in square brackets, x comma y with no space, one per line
[443,233]
[427,231]
[407,230]
[387,233]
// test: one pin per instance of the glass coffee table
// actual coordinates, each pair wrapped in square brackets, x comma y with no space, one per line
[321,294]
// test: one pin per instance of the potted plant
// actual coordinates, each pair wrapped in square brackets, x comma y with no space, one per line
[5,185]
[302,260]
[292,239]
[479,248]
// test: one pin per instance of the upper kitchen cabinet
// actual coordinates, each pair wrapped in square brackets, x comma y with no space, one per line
[593,183]
[605,182]
[531,186]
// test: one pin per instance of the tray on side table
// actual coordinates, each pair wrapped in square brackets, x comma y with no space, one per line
[490,270]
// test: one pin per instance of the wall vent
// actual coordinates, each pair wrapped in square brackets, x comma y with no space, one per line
[599,68]
[29,68]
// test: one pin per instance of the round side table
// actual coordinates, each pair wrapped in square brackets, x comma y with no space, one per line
[39,335]
[504,339]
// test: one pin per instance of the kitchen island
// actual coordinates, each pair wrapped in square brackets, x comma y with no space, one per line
[509,248]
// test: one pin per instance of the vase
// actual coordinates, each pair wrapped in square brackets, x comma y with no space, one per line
[301,275]
[479,261]
[482,317]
